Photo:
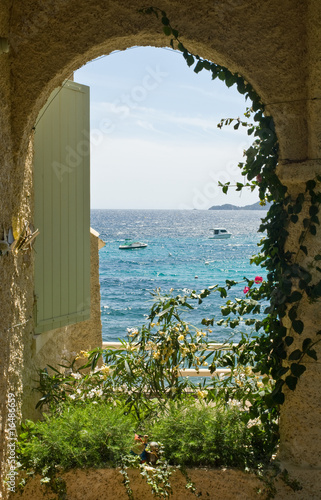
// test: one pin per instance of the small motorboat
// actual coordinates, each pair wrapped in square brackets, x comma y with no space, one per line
[132,245]
[219,233]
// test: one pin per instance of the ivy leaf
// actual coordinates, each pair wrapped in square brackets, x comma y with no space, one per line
[298,326]
[199,66]
[305,250]
[282,371]
[317,257]
[292,313]
[310,185]
[313,210]
[306,343]
[295,355]
[291,382]
[294,219]
[288,340]
[297,369]
[297,208]
[312,353]
[165,21]
[294,297]
[313,230]
[190,60]
[167,30]
[278,398]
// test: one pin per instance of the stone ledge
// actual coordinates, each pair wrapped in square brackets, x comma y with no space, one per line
[291,172]
[213,484]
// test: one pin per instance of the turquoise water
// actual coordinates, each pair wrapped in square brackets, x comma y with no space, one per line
[178,251]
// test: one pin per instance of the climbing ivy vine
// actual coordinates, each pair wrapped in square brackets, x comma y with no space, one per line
[287,282]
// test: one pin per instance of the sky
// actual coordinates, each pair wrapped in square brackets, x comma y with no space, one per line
[155,143]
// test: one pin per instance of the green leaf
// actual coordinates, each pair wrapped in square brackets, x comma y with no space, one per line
[306,343]
[313,230]
[294,297]
[190,60]
[291,382]
[297,369]
[288,340]
[297,208]
[310,185]
[298,326]
[167,30]
[282,371]
[294,219]
[295,355]
[292,313]
[199,66]
[312,353]
[313,210]
[278,398]
[304,250]
[317,257]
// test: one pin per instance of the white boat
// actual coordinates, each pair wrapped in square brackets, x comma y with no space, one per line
[220,233]
[132,245]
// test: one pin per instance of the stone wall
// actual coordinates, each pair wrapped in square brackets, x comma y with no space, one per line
[275,45]
[212,484]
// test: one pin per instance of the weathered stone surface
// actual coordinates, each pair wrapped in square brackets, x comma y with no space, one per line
[275,45]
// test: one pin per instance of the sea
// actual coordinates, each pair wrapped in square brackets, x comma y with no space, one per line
[179,257]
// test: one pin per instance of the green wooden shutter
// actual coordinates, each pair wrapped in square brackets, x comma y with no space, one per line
[62,209]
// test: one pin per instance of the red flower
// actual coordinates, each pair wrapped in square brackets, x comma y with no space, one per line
[259,178]
[246,289]
[258,279]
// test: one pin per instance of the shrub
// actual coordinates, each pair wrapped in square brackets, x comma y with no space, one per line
[196,434]
[92,435]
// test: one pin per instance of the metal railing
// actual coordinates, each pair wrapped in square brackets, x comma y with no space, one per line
[187,372]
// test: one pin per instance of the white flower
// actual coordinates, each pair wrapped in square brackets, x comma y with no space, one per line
[77,376]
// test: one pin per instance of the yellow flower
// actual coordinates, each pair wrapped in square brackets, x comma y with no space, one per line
[181,337]
[205,363]
[156,355]
[82,354]
[193,347]
[201,394]
[248,371]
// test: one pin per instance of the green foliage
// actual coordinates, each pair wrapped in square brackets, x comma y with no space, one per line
[94,435]
[146,371]
[91,435]
[197,434]
[284,275]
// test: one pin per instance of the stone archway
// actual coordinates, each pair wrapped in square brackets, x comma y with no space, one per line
[275,46]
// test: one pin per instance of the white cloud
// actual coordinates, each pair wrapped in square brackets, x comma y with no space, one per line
[145,174]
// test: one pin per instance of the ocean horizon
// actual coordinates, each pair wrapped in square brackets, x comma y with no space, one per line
[179,256]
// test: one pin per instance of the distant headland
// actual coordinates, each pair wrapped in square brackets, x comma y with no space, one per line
[228,206]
